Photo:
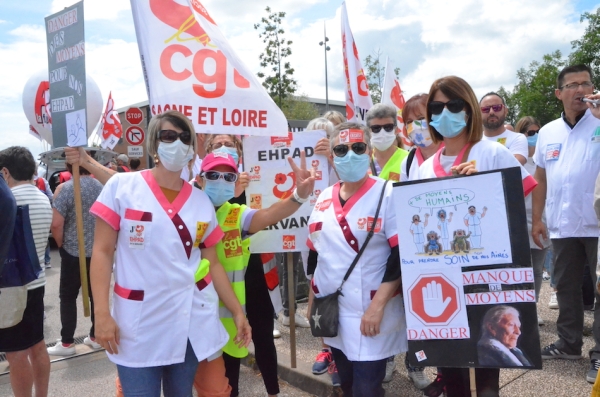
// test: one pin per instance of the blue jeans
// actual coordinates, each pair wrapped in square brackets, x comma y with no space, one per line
[177,379]
[360,378]
[47,254]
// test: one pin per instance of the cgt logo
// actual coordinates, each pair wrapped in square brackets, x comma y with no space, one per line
[232,243]
[256,201]
[42,105]
[289,242]
[139,229]
[254,173]
[206,67]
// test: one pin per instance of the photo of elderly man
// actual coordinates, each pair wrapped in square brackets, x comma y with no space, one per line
[500,332]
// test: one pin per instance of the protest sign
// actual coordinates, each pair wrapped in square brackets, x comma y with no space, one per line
[189,66]
[66,64]
[110,130]
[272,179]
[466,271]
[358,99]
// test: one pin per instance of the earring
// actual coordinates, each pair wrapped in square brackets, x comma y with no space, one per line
[156,161]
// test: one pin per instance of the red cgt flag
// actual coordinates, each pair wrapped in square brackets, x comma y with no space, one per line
[110,130]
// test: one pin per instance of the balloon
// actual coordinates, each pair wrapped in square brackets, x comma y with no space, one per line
[36,104]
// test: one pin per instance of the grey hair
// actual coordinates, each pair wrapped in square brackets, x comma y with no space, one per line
[381,111]
[350,126]
[494,315]
[320,123]
[178,120]
[123,158]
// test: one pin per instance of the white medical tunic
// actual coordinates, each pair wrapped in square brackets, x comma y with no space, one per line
[474,221]
[488,156]
[336,234]
[571,158]
[156,302]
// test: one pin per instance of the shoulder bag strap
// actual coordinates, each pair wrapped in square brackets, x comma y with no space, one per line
[371,232]
[409,160]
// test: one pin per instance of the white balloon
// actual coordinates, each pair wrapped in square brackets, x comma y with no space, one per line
[30,92]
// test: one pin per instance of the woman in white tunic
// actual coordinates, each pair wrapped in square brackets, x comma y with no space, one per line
[454,117]
[371,321]
[164,318]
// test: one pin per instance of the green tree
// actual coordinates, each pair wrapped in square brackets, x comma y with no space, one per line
[375,72]
[299,108]
[587,49]
[278,76]
[511,116]
[533,94]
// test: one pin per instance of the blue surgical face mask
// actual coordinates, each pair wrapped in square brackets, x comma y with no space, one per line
[352,167]
[219,191]
[449,124]
[230,151]
[532,140]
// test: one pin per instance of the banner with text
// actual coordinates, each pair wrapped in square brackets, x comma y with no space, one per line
[358,98]
[466,271]
[66,66]
[272,179]
[189,66]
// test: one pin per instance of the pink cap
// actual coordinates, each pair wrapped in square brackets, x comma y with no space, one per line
[216,159]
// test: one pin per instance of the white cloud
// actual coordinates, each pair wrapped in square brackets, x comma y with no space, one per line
[94,9]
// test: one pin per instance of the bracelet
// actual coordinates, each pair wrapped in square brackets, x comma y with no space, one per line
[297,198]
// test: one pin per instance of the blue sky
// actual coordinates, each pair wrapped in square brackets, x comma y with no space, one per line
[483,42]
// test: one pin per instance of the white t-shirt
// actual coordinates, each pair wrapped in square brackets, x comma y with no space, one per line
[185,172]
[516,143]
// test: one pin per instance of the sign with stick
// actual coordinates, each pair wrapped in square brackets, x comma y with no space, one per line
[466,272]
[66,64]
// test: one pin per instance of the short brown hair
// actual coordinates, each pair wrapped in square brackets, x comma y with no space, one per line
[525,122]
[413,103]
[178,120]
[456,88]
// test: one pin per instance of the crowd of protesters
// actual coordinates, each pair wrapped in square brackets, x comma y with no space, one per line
[185,306]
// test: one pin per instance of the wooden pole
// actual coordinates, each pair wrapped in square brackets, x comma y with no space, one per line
[291,306]
[81,242]
[472,382]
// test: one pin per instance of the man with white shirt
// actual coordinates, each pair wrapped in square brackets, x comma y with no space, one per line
[493,112]
[567,158]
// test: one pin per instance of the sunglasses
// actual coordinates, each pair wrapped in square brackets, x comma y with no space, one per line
[357,147]
[217,145]
[495,108]
[532,132]
[169,136]
[453,105]
[215,175]
[387,127]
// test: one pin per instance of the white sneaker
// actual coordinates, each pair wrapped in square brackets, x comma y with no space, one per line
[390,367]
[541,321]
[420,380]
[61,350]
[276,332]
[91,343]
[553,301]
[301,321]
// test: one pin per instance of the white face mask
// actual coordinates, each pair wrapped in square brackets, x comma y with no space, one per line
[383,140]
[175,155]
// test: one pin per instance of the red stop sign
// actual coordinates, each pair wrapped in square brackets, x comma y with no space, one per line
[134,116]
[434,299]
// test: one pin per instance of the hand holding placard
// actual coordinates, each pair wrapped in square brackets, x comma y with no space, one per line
[433,299]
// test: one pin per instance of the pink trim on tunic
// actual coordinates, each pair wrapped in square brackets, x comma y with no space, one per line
[106,214]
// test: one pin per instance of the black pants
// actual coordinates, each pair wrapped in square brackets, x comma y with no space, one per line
[70,282]
[260,316]
[458,385]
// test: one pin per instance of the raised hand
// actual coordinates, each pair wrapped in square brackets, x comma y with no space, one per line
[434,303]
[305,179]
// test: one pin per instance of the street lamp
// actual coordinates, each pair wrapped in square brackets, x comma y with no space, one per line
[325,48]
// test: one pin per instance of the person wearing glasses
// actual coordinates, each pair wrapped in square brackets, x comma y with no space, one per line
[161,236]
[529,127]
[372,325]
[454,118]
[567,159]
[415,114]
[387,156]
[493,111]
[217,178]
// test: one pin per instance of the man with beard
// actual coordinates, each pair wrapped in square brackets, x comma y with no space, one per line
[493,112]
